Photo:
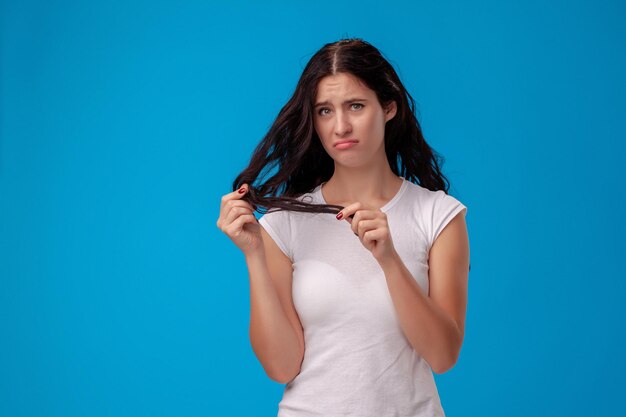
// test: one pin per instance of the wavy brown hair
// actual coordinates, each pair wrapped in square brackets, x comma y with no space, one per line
[293,147]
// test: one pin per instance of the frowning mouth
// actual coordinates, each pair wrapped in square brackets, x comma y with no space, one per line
[342,144]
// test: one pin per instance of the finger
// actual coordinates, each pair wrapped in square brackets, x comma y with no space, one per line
[235,195]
[236,227]
[235,213]
[238,203]
[348,211]
[363,211]
[374,235]
[360,215]
[361,226]
[225,216]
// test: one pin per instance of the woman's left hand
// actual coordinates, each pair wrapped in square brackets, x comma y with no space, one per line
[371,226]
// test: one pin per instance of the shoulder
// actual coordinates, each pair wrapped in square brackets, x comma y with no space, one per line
[433,210]
[421,196]
[430,198]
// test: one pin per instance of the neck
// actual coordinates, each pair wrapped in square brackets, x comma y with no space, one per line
[369,185]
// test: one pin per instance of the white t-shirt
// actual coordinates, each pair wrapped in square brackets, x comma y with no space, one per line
[357,361]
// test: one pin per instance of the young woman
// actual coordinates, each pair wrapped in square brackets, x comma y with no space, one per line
[353,312]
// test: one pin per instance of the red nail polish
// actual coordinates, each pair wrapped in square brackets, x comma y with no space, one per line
[242,190]
[339,216]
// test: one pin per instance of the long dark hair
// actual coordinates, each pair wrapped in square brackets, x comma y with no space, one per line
[294,148]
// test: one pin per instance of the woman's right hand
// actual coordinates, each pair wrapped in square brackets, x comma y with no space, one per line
[238,222]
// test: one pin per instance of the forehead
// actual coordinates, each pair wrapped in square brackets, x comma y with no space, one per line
[339,85]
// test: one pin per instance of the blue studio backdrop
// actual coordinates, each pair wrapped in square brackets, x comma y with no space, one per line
[122,123]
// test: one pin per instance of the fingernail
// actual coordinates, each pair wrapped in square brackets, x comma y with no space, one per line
[339,216]
[242,190]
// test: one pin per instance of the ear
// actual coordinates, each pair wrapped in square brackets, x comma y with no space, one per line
[390,110]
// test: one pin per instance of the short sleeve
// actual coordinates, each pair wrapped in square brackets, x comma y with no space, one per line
[445,208]
[277,224]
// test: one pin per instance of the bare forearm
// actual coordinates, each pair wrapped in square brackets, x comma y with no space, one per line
[428,328]
[273,339]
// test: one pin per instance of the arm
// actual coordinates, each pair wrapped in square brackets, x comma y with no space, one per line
[275,331]
[434,323]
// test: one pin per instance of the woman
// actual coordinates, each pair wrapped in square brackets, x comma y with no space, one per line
[353,313]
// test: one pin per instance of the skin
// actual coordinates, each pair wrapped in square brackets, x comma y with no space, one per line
[363,182]
[362,172]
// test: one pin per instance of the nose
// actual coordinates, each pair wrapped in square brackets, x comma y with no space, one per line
[342,124]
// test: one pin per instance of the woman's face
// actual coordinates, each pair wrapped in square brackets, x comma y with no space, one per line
[346,109]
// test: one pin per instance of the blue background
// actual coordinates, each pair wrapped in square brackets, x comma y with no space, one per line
[123,123]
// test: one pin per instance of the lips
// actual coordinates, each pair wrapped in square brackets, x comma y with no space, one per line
[345,141]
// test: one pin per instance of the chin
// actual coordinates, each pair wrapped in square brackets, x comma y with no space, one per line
[351,162]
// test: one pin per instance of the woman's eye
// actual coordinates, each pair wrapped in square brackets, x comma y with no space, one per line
[321,111]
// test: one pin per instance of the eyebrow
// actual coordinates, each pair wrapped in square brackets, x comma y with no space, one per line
[348,101]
